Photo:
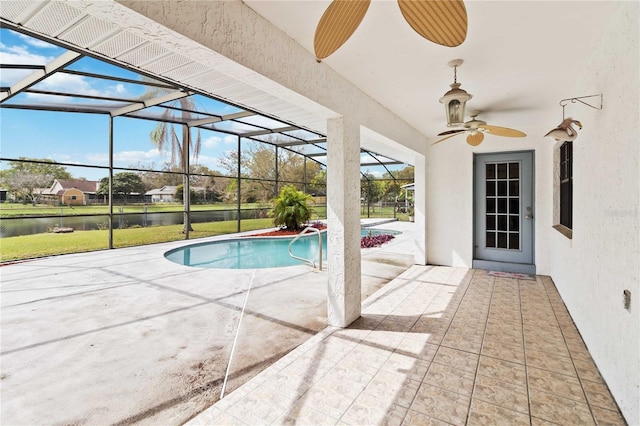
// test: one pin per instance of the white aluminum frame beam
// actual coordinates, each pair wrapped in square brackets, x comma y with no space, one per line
[38,75]
[149,103]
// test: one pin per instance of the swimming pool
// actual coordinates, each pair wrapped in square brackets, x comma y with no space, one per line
[250,252]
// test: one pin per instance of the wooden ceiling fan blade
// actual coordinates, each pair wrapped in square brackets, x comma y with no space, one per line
[450,132]
[445,138]
[475,139]
[443,22]
[337,24]
[503,131]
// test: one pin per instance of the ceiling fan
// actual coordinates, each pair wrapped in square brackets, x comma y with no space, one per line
[442,22]
[476,129]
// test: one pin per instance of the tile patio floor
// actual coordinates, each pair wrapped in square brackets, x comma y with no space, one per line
[436,346]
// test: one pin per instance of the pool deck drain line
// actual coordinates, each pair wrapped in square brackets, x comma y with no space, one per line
[235,339]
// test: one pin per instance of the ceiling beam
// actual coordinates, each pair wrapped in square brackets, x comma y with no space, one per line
[269,131]
[149,103]
[227,117]
[37,76]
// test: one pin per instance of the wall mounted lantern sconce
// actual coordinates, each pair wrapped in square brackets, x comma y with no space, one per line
[565,130]
[455,99]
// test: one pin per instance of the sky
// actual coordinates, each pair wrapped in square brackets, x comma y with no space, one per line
[79,138]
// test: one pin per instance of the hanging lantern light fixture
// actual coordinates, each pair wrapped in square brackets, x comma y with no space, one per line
[455,99]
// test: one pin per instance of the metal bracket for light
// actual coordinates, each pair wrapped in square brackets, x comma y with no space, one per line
[455,99]
[564,102]
[565,131]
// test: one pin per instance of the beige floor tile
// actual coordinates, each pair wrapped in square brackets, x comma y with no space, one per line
[441,404]
[302,414]
[343,373]
[413,418]
[430,325]
[548,346]
[341,385]
[541,422]
[366,322]
[370,410]
[417,347]
[502,370]
[222,418]
[555,383]
[549,334]
[449,378]
[462,342]
[393,387]
[550,361]
[467,361]
[326,401]
[598,395]
[408,366]
[483,413]
[368,354]
[260,407]
[608,417]
[396,325]
[489,351]
[501,328]
[505,340]
[559,410]
[504,352]
[578,349]
[384,339]
[352,334]
[288,380]
[587,370]
[504,394]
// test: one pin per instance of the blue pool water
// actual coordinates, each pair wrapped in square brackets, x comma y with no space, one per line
[250,253]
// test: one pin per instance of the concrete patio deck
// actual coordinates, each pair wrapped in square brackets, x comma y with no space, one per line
[125,336]
[436,346]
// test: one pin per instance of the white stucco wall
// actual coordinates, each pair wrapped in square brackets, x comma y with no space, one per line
[592,270]
[449,187]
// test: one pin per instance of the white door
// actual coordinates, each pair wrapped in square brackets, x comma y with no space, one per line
[503,211]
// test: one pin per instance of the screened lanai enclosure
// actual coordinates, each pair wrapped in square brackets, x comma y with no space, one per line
[89,145]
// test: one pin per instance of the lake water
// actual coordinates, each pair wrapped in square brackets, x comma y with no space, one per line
[11,227]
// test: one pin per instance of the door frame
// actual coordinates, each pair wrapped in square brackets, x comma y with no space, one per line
[526,268]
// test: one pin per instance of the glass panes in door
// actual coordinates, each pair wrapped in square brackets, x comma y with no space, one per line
[503,205]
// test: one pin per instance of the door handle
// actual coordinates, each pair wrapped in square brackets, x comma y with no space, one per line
[528,216]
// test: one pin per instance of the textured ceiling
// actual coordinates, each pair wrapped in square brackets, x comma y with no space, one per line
[521,57]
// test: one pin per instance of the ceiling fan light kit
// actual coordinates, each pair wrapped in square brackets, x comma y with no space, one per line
[565,132]
[455,99]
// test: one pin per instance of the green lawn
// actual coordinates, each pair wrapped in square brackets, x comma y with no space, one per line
[49,244]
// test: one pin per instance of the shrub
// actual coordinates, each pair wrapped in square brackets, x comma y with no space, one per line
[369,241]
[292,208]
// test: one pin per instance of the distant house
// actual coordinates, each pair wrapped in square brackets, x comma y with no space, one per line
[72,192]
[408,199]
[166,194]
[3,195]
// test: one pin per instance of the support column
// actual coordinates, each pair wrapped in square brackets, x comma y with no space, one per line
[420,209]
[343,217]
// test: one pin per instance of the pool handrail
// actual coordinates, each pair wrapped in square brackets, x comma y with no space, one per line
[309,261]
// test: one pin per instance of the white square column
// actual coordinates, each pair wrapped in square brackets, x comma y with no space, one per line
[420,208]
[343,217]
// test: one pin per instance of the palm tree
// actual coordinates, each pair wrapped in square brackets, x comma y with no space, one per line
[164,134]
